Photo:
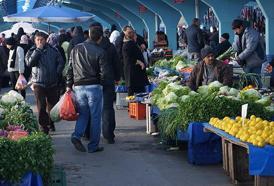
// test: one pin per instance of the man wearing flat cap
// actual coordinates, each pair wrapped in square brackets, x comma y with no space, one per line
[209,70]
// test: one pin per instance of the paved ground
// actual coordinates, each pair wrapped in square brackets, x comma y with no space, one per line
[135,160]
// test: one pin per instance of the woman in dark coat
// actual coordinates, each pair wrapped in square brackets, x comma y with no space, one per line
[134,66]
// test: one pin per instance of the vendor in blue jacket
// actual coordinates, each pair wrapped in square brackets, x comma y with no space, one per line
[250,52]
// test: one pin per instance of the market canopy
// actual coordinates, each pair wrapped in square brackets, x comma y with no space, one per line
[52,13]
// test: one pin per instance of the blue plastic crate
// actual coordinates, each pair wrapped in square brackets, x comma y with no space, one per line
[182,135]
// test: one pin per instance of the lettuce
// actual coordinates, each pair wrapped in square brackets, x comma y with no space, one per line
[204,90]
[266,101]
[214,86]
[250,95]
[233,92]
[224,90]
[171,98]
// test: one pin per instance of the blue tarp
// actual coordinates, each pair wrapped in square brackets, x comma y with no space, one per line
[203,148]
[29,179]
[261,160]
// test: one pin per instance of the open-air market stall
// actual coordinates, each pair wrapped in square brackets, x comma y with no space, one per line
[26,154]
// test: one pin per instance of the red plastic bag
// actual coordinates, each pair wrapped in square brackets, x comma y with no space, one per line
[21,83]
[68,107]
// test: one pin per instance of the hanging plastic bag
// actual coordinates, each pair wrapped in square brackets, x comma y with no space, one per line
[68,107]
[21,83]
[55,111]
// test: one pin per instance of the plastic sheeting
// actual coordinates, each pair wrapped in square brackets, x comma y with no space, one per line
[29,179]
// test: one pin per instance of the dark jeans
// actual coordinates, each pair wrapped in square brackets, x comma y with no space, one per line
[13,79]
[132,90]
[108,114]
[46,98]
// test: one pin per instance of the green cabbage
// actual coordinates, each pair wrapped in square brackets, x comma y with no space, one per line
[233,92]
[204,90]
[214,86]
[266,101]
[250,95]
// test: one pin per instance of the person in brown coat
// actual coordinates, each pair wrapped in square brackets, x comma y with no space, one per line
[209,70]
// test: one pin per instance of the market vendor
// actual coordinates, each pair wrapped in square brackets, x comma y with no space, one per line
[248,45]
[209,70]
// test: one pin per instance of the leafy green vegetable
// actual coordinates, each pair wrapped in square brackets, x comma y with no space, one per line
[266,101]
[33,153]
[250,95]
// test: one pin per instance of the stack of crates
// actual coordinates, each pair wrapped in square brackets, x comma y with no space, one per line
[137,111]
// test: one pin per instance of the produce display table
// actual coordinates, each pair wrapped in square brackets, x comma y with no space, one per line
[243,162]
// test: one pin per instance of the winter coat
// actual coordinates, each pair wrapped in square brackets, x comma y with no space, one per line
[134,75]
[250,50]
[112,59]
[77,37]
[194,39]
[214,40]
[19,60]
[221,48]
[3,60]
[47,65]
[88,65]
[223,74]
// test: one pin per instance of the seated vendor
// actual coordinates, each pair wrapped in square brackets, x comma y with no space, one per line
[209,70]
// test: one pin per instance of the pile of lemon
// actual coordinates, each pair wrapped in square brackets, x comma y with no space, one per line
[130,98]
[254,130]
[249,87]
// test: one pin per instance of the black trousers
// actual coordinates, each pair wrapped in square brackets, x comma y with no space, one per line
[46,98]
[108,114]
[13,79]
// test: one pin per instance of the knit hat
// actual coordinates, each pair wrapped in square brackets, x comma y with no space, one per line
[225,36]
[206,51]
[11,41]
[24,39]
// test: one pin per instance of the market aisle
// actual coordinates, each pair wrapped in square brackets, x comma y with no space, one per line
[135,159]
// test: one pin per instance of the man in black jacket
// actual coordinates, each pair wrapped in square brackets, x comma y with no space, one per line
[108,115]
[194,39]
[88,71]
[223,46]
[47,65]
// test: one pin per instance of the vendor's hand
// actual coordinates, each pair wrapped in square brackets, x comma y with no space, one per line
[268,68]
[141,64]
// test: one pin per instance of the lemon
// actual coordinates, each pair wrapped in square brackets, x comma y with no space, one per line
[253,117]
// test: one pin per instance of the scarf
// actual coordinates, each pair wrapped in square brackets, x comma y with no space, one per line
[13,58]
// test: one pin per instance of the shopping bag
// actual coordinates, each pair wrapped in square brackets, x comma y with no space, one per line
[21,83]
[68,107]
[55,111]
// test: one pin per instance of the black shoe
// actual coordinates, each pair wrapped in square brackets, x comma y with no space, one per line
[78,144]
[99,149]
[52,128]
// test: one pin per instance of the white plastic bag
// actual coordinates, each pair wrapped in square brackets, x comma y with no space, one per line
[21,83]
